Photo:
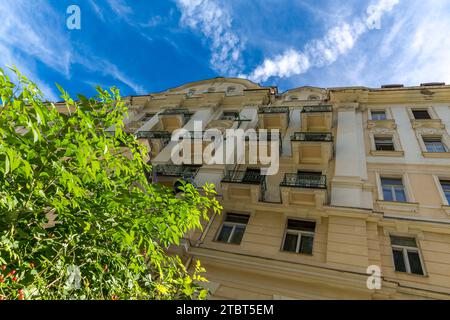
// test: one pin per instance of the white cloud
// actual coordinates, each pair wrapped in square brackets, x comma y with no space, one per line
[321,52]
[215,23]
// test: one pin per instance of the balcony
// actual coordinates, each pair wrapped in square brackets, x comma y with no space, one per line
[317,118]
[312,136]
[169,174]
[274,118]
[172,170]
[174,118]
[243,185]
[312,148]
[315,109]
[307,189]
[154,140]
[308,181]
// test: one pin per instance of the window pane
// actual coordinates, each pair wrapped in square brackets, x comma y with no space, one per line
[384,144]
[378,115]
[403,241]
[446,187]
[301,225]
[399,261]
[224,233]
[400,194]
[391,182]
[306,244]
[290,243]
[414,262]
[237,218]
[236,238]
[387,194]
[421,114]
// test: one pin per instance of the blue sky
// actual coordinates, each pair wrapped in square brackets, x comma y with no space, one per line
[149,46]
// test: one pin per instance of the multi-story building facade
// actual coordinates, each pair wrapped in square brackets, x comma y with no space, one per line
[363,184]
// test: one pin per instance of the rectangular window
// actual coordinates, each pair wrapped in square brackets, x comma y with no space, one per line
[393,190]
[252,176]
[445,184]
[434,144]
[299,236]
[378,115]
[421,114]
[406,255]
[233,228]
[384,144]
[230,115]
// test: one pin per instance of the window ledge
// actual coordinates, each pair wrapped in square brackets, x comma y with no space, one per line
[379,153]
[428,123]
[436,154]
[388,124]
[411,207]
[412,274]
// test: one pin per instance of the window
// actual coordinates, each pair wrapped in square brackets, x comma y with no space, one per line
[393,190]
[434,144]
[147,117]
[230,115]
[445,184]
[231,89]
[421,114]
[233,228]
[293,98]
[313,97]
[211,89]
[406,255]
[299,236]
[378,115]
[384,144]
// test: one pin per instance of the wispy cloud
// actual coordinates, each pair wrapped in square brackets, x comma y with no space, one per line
[321,52]
[215,23]
[33,32]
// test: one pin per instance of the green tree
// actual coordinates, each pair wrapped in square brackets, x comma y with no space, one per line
[78,217]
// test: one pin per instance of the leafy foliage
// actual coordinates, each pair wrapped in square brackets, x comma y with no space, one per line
[78,217]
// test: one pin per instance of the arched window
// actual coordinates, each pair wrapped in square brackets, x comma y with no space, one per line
[313,97]
[231,89]
[190,92]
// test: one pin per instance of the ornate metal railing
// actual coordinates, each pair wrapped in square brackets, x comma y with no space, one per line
[300,180]
[246,177]
[312,136]
[172,170]
[153,135]
[263,110]
[320,108]
[172,111]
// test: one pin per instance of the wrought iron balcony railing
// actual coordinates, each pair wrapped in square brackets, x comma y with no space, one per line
[320,108]
[174,111]
[153,135]
[263,110]
[245,177]
[312,136]
[310,181]
[172,170]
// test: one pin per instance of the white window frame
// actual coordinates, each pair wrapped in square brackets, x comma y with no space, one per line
[391,136]
[441,137]
[405,250]
[233,225]
[437,180]
[299,235]
[386,110]
[389,175]
[430,109]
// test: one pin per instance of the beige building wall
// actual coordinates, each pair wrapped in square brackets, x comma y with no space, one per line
[353,221]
